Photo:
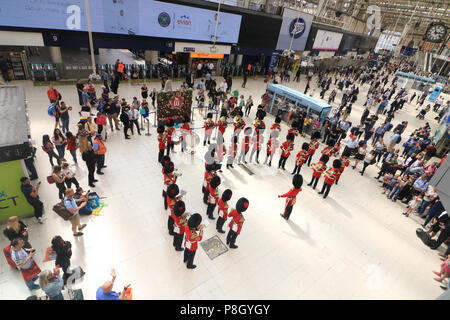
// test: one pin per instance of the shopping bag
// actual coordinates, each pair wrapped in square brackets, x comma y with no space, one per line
[49,255]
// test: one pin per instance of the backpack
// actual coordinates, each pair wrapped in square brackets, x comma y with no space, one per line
[51,110]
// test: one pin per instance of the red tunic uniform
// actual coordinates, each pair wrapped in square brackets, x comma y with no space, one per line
[207,179]
[169,132]
[180,222]
[209,126]
[235,223]
[171,204]
[275,126]
[213,197]
[301,157]
[233,150]
[222,125]
[223,209]
[169,179]
[161,141]
[192,239]
[238,126]
[329,151]
[257,141]
[339,171]
[319,167]
[286,148]
[330,175]
[291,196]
[272,146]
[245,144]
[294,131]
[185,129]
[313,146]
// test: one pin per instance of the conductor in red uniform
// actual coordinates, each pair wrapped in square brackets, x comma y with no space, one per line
[291,196]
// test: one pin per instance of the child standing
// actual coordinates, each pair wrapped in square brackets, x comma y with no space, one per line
[70,176]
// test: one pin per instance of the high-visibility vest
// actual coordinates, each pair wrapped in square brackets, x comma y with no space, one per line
[120,67]
[101,147]
[249,67]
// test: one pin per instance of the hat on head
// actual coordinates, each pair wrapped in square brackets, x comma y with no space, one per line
[337,163]
[275,134]
[316,135]
[277,120]
[169,167]
[211,167]
[194,221]
[290,136]
[324,158]
[179,208]
[331,142]
[261,115]
[297,181]
[209,115]
[240,113]
[160,129]
[173,191]
[226,195]
[294,124]
[305,146]
[215,182]
[165,159]
[185,119]
[242,205]
[248,131]
[169,123]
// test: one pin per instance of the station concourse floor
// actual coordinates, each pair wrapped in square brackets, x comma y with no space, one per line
[355,244]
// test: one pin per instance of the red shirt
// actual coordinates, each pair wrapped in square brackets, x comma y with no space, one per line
[222,126]
[291,196]
[189,242]
[239,126]
[333,176]
[223,209]
[301,157]
[319,167]
[52,94]
[286,148]
[209,125]
[185,129]
[70,145]
[235,220]
[169,133]
[161,141]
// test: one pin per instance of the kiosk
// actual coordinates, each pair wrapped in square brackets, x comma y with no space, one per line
[409,80]
[14,147]
[295,101]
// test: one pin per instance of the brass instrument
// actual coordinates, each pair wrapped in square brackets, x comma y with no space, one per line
[238,121]
[330,174]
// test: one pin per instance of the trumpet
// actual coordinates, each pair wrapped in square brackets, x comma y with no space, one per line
[329,174]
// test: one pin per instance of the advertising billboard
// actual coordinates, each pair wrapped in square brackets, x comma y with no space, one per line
[295,25]
[134,17]
[327,40]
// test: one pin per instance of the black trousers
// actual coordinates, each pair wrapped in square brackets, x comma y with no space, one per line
[282,162]
[287,212]
[70,181]
[135,123]
[205,196]
[210,210]
[164,194]
[91,170]
[365,165]
[38,206]
[62,189]
[326,135]
[177,240]
[161,155]
[315,181]
[325,189]
[308,162]
[231,237]
[169,147]
[170,223]
[219,223]
[297,169]
[126,126]
[207,138]
[189,257]
[30,166]
[444,235]
[100,162]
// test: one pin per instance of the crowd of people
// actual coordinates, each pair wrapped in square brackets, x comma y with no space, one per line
[365,142]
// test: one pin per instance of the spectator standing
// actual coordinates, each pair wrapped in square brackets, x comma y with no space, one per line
[48,147]
[105,291]
[90,158]
[64,116]
[71,206]
[59,178]
[100,150]
[60,141]
[17,229]
[80,87]
[72,145]
[114,84]
[69,176]
[32,195]
[51,283]
[53,94]
[63,250]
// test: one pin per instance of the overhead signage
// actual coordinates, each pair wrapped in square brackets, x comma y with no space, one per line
[327,40]
[295,28]
[207,55]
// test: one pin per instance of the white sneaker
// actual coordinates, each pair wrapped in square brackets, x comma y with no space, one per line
[40,220]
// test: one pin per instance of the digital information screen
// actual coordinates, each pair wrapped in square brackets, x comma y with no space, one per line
[327,40]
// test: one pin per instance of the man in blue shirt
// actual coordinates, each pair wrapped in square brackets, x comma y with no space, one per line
[71,206]
[105,291]
[382,105]
[420,185]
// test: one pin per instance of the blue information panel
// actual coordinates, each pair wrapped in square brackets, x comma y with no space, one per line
[135,17]
[435,94]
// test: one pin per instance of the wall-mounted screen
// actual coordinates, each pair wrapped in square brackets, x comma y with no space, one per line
[134,17]
[327,40]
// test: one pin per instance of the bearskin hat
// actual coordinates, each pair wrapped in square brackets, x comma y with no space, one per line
[226,195]
[194,221]
[297,181]
[305,146]
[179,208]
[215,182]
[169,167]
[316,135]
[337,163]
[324,158]
[160,129]
[242,205]
[173,191]
[277,120]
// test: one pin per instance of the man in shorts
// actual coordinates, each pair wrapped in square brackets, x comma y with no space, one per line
[71,206]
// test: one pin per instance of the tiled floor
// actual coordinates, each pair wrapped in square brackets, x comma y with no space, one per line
[353,245]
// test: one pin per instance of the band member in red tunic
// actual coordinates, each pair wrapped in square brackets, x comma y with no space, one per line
[318,168]
[209,125]
[345,162]
[172,198]
[179,217]
[286,148]
[272,146]
[213,197]
[313,145]
[330,177]
[237,220]
[329,150]
[223,209]
[170,130]
[245,145]
[194,234]
[276,126]
[302,156]
[291,196]
[169,178]
[222,126]
[161,142]
[210,172]
[238,124]
[232,152]
[185,131]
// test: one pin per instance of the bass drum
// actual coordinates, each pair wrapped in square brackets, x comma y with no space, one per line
[192,141]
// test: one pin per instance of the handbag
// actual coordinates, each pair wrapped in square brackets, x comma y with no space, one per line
[50,179]
[62,211]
